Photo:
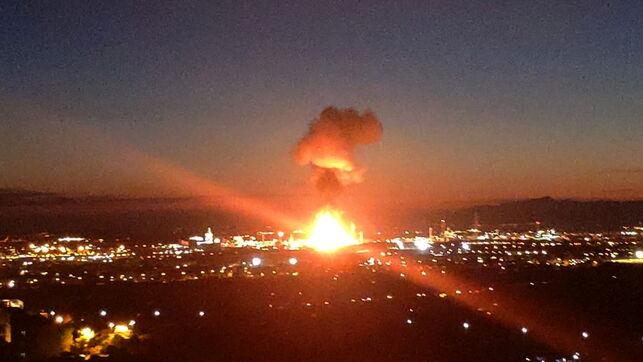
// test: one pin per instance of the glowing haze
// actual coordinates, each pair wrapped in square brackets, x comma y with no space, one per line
[482,100]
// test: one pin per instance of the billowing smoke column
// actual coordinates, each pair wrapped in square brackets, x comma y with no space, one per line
[329,144]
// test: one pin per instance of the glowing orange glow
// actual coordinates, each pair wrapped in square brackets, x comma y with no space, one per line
[339,163]
[329,233]
[184,180]
[86,333]
[122,330]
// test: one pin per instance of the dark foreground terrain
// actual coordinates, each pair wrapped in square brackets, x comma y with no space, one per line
[335,312]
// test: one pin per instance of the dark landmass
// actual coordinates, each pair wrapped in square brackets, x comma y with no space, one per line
[599,215]
[154,219]
[268,319]
[164,219]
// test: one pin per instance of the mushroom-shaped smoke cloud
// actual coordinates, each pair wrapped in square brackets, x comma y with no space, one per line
[329,144]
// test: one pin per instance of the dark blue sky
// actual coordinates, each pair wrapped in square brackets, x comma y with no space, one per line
[479,100]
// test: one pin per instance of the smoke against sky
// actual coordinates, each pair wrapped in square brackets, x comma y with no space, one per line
[481,100]
[328,147]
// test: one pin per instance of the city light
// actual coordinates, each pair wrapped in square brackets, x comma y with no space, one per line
[585,335]
[121,328]
[412,258]
[422,244]
[639,254]
[86,333]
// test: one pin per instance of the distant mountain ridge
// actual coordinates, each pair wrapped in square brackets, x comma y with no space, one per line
[25,212]
[21,197]
[565,213]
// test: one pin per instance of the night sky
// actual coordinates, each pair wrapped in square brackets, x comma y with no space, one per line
[480,100]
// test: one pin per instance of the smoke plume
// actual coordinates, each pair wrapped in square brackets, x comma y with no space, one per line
[329,144]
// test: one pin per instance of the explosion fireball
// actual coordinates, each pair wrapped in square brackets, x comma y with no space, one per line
[328,148]
[329,233]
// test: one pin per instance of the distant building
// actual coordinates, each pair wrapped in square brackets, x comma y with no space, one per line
[25,336]
[5,326]
[12,303]
[206,239]
[209,236]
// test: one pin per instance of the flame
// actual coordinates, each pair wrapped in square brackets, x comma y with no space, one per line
[329,233]
[338,163]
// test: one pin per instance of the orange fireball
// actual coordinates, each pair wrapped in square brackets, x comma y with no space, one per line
[329,233]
